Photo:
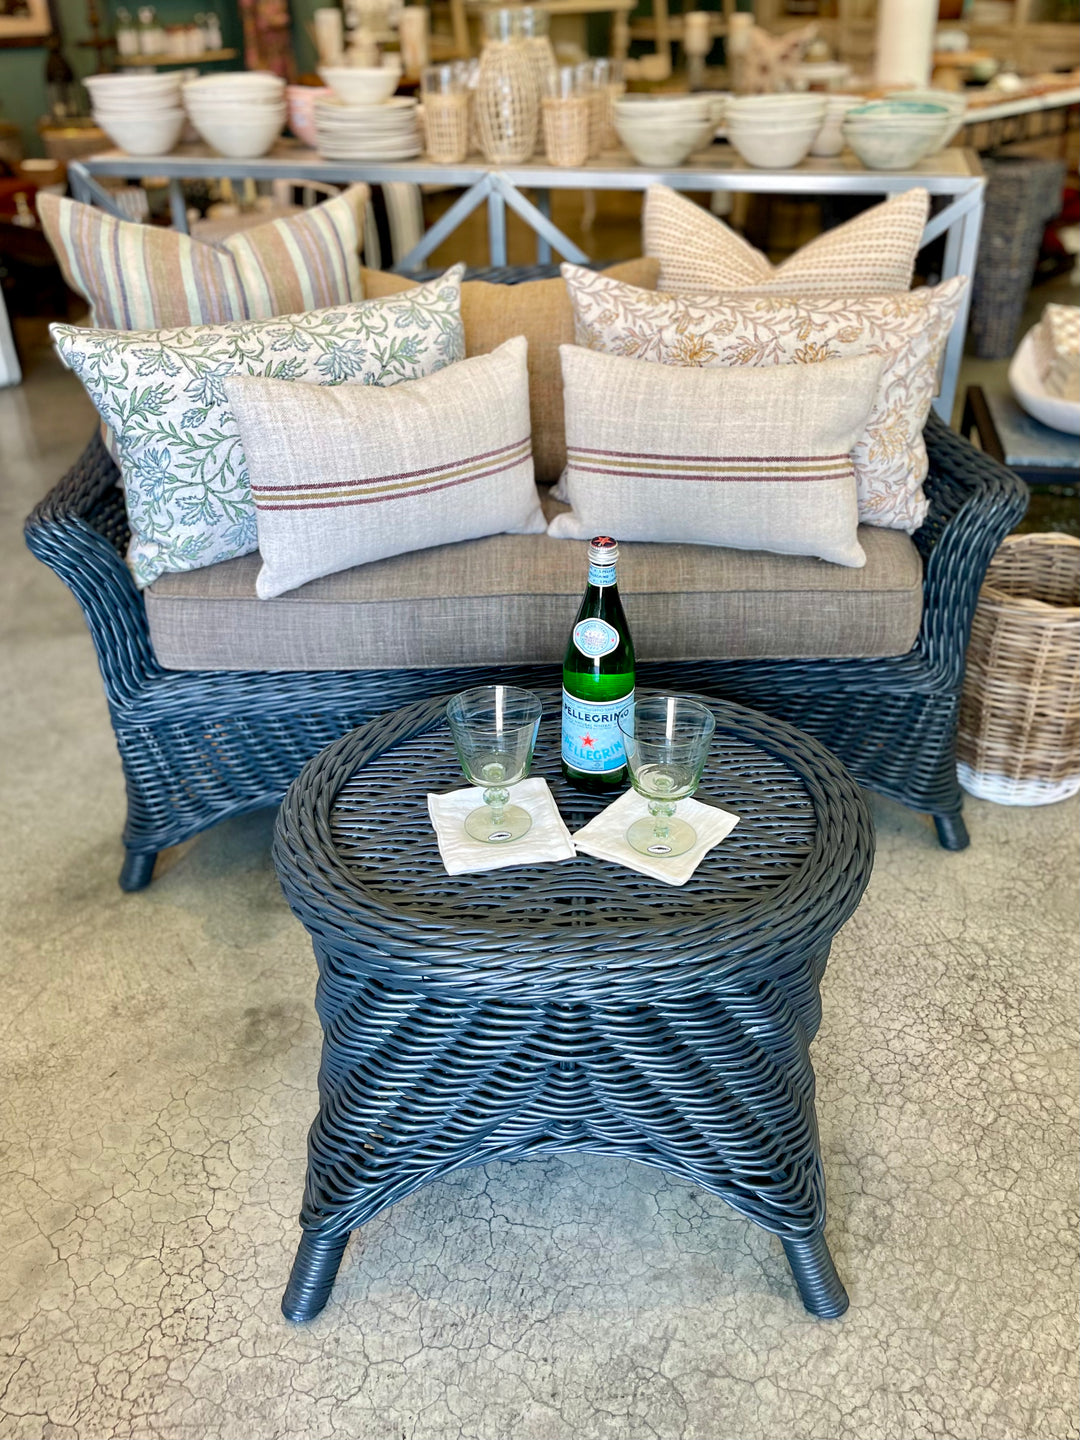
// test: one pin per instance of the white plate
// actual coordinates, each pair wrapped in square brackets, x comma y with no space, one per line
[1026,385]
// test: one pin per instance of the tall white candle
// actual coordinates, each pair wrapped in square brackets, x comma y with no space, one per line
[905,41]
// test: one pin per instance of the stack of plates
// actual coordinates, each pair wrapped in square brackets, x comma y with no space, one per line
[240,113]
[388,131]
[140,113]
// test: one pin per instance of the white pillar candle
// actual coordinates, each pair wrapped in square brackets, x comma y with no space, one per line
[905,41]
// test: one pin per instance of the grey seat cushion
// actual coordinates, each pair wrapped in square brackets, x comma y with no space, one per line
[510,599]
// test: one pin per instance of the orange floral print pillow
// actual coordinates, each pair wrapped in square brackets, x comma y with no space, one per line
[908,329]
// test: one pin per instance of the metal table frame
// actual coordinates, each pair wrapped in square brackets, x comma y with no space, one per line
[953,177]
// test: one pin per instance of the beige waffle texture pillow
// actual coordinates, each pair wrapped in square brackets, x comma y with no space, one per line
[870,255]
[348,475]
[755,459]
[540,310]
[907,331]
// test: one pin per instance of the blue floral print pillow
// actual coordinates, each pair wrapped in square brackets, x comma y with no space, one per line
[181,461]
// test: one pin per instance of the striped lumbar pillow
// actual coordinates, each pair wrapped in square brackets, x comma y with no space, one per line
[162,391]
[870,255]
[344,477]
[753,459]
[142,277]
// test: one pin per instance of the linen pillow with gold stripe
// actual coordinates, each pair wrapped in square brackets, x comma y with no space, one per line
[907,330]
[343,477]
[755,459]
[143,277]
[182,463]
[869,255]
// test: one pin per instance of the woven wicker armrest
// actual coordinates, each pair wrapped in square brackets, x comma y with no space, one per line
[80,531]
[974,503]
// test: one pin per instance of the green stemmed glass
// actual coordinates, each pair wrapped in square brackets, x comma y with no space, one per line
[494,730]
[667,743]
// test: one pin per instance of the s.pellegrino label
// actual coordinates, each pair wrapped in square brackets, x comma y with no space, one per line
[591,742]
[598,678]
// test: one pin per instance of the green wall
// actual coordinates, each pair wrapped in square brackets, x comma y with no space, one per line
[22,72]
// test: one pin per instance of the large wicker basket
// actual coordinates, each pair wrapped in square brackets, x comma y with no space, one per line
[1019,731]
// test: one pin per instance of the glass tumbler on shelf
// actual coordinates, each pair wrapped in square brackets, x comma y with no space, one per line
[507,99]
[565,115]
[667,743]
[446,114]
[494,730]
[535,32]
[592,82]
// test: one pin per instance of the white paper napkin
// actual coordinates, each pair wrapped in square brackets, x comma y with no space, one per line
[547,840]
[605,836]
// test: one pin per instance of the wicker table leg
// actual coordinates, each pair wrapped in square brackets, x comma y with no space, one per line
[313,1274]
[138,870]
[820,1287]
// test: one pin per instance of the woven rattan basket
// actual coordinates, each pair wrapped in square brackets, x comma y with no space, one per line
[1019,732]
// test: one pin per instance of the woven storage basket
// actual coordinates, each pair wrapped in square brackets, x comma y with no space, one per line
[1019,730]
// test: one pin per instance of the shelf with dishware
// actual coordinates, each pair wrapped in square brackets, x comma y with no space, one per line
[202,57]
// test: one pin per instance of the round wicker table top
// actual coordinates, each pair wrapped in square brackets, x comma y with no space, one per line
[358,861]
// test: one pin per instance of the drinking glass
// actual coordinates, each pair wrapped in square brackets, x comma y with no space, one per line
[667,741]
[494,729]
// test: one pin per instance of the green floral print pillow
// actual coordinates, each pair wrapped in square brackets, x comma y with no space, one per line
[181,460]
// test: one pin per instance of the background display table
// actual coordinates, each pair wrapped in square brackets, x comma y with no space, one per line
[570,1007]
[1038,454]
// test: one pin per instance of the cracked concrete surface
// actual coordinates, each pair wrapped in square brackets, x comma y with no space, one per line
[158,1062]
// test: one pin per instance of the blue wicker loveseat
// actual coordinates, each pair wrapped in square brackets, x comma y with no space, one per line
[198,746]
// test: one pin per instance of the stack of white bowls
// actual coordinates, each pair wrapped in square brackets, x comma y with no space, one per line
[663,130]
[142,114]
[895,134]
[774,132]
[360,117]
[301,101]
[239,113]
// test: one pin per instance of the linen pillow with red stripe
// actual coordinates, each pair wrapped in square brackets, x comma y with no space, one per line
[346,476]
[755,459]
[182,465]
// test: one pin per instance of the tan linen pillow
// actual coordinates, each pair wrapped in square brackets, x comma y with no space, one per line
[752,459]
[870,255]
[344,476]
[540,310]
[143,277]
[907,330]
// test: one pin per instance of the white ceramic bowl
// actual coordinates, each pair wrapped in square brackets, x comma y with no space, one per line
[772,150]
[1027,386]
[149,134]
[762,106]
[238,137]
[954,102]
[236,82]
[361,85]
[103,86]
[889,150]
[655,145]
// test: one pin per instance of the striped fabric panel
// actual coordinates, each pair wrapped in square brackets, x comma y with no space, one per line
[302,262]
[741,468]
[332,495]
[141,277]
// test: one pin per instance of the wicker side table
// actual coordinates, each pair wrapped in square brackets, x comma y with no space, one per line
[569,1007]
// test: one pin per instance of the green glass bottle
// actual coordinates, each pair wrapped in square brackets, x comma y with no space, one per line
[598,679]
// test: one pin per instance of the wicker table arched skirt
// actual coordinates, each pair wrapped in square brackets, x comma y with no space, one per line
[568,1007]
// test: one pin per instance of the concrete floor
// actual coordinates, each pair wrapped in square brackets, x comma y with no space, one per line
[158,1075]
